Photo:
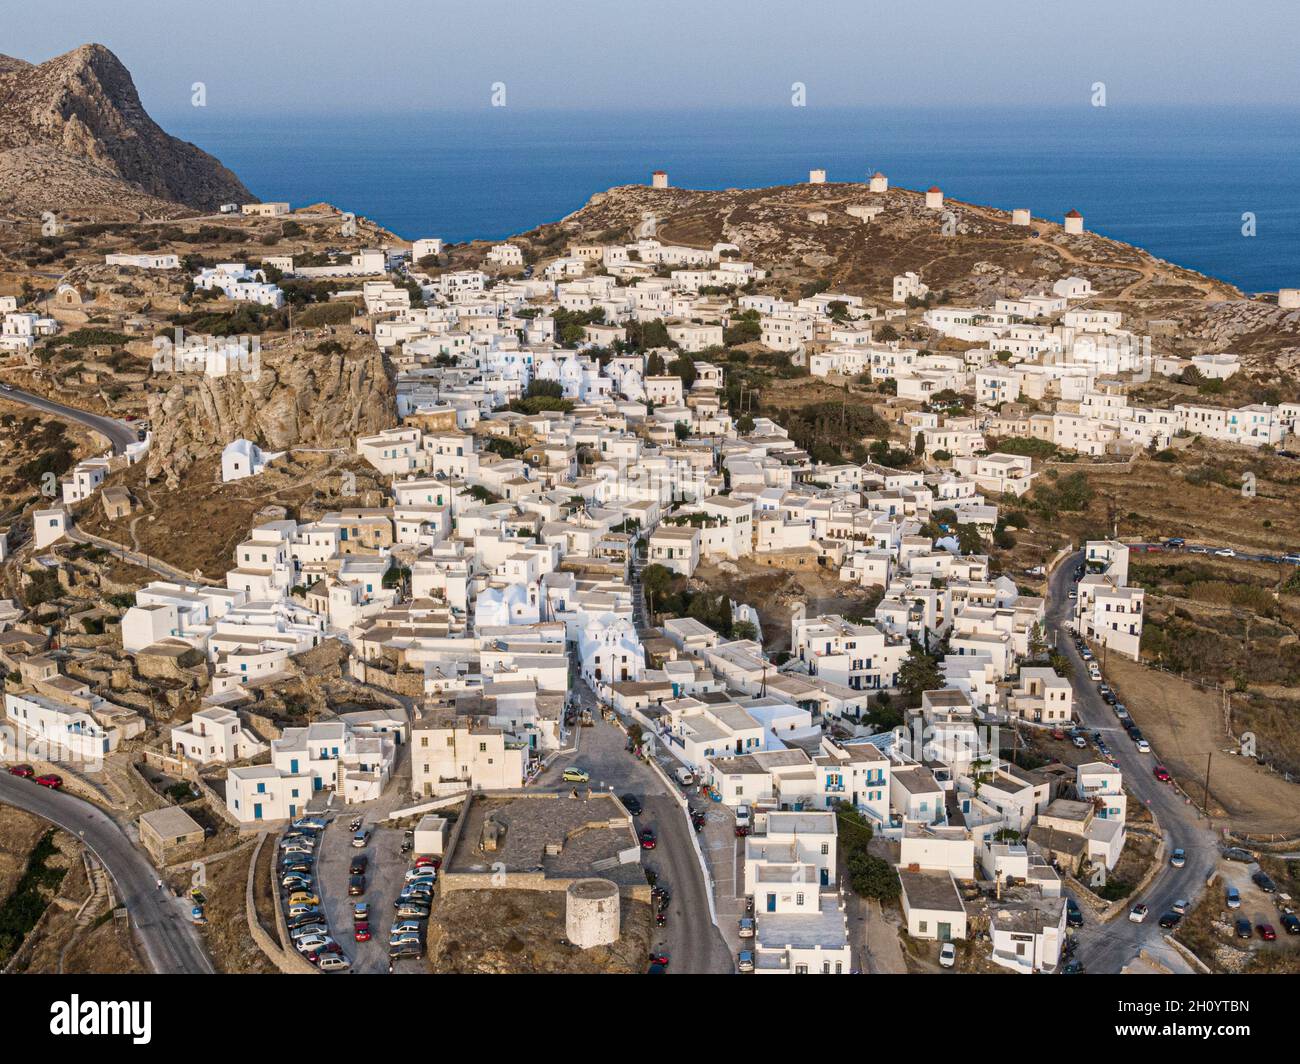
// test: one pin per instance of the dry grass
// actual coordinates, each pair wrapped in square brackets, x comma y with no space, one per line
[523,932]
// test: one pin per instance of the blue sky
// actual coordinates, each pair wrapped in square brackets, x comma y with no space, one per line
[385,55]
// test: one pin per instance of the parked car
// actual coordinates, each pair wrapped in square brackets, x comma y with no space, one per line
[361,932]
[684,776]
[1236,853]
[405,949]
[1264,882]
[1072,968]
[412,909]
[648,840]
[1162,774]
[26,771]
[1170,919]
[296,882]
[303,897]
[1143,746]
[745,961]
[1178,858]
[632,804]
[1138,913]
[1180,906]
[1266,932]
[947,955]
[307,930]
[1080,742]
[1244,929]
[1121,712]
[746,927]
[426,861]
[358,865]
[356,886]
[311,942]
[1292,923]
[50,779]
[744,816]
[335,962]
[1073,914]
[361,911]
[361,838]
[1233,898]
[405,927]
[575,775]
[297,910]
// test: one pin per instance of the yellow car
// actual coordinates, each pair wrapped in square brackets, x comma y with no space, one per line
[575,775]
[303,897]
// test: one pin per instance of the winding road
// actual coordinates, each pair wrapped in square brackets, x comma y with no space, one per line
[1108,947]
[171,944]
[118,433]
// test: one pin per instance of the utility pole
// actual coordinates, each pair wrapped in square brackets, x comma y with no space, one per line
[1205,801]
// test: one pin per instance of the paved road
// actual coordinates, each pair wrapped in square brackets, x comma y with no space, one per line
[1108,947]
[690,938]
[171,943]
[118,433]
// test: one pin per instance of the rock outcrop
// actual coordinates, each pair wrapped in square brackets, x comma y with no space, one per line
[297,398]
[74,134]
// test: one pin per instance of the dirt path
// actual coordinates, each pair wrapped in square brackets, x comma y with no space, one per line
[1185,724]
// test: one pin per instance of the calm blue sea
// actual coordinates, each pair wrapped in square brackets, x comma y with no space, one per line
[1175,181]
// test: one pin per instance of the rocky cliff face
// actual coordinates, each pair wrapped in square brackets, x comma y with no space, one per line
[79,118]
[299,398]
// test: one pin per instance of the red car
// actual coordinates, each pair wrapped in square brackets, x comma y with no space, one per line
[660,959]
[49,780]
[1266,932]
[648,841]
[1162,774]
[742,830]
[22,770]
[361,932]
[426,862]
[1057,733]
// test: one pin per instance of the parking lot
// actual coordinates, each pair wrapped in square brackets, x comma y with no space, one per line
[386,867]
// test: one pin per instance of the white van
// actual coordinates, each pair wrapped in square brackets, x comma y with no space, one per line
[684,776]
[743,817]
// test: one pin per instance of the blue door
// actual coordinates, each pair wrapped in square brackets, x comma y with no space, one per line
[826,877]
[257,810]
[293,766]
[771,899]
[315,783]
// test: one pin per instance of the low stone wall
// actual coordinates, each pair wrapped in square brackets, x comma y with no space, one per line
[287,960]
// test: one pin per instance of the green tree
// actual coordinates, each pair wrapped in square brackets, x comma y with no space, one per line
[918,673]
[873,877]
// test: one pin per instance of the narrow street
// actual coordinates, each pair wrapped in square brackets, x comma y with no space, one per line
[1108,947]
[690,938]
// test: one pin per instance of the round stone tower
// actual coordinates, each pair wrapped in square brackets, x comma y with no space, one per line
[659,179]
[879,182]
[591,914]
[1020,216]
[934,198]
[1074,222]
